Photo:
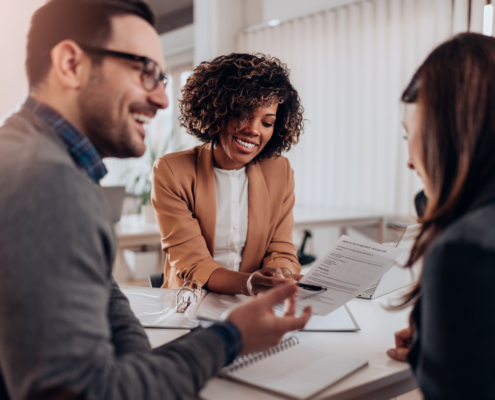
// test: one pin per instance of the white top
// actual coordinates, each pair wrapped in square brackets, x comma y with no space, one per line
[232,217]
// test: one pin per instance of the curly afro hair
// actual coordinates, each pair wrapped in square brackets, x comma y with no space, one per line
[232,87]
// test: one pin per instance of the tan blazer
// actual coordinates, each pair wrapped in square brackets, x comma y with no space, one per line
[184,199]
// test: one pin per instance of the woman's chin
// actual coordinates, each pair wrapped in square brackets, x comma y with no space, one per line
[240,158]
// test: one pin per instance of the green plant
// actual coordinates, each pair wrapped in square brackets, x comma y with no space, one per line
[138,179]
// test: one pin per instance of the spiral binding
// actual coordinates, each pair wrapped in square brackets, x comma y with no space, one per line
[251,358]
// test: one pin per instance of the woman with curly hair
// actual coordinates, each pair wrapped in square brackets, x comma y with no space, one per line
[224,209]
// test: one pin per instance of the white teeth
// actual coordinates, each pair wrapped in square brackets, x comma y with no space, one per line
[141,118]
[245,144]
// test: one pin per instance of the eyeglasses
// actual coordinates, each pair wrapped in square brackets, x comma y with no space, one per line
[151,74]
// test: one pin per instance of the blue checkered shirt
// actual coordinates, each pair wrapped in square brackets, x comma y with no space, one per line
[80,148]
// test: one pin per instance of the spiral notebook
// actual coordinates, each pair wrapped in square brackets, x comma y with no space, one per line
[292,369]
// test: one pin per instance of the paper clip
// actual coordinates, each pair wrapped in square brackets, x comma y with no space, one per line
[187,296]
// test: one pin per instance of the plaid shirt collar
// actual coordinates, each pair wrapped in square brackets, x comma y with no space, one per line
[80,148]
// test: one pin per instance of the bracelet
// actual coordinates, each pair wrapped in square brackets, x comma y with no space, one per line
[249,285]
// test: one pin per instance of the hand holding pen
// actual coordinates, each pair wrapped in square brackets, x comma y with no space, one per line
[297,278]
[266,278]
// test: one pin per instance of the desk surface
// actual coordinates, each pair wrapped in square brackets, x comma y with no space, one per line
[132,225]
[304,215]
[383,378]
[133,230]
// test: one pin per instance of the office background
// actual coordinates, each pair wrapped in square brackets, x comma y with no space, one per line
[350,60]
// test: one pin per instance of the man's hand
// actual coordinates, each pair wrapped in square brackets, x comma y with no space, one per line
[403,342]
[259,326]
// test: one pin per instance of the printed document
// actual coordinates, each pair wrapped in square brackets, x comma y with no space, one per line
[347,270]
[340,320]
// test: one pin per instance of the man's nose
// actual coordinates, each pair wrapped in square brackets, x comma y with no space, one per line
[410,164]
[158,97]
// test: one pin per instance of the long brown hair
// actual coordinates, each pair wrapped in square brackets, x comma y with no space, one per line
[455,93]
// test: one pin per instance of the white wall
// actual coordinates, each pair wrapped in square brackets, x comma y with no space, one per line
[252,11]
[178,46]
[288,9]
[216,24]
[14,25]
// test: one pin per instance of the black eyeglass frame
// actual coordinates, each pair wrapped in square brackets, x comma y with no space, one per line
[133,57]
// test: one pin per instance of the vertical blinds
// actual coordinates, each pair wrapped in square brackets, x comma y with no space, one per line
[350,65]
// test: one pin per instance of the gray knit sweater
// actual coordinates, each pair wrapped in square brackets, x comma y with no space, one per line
[64,323]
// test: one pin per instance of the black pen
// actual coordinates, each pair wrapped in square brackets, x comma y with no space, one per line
[311,287]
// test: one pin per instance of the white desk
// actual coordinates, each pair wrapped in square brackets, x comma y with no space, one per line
[132,230]
[308,217]
[382,379]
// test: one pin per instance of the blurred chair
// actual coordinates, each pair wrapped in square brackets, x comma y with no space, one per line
[156,280]
[305,259]
[420,202]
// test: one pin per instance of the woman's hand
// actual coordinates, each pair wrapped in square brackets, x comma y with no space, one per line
[280,273]
[403,342]
[226,281]
[265,279]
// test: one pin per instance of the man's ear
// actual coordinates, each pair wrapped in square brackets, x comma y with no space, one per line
[70,64]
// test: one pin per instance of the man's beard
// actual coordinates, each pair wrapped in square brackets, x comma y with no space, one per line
[107,130]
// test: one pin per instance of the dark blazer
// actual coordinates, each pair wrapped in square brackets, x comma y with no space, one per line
[453,352]
[65,326]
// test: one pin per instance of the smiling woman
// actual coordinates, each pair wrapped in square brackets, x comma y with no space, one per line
[225,208]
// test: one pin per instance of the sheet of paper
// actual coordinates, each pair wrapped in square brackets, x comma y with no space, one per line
[347,270]
[214,305]
[341,320]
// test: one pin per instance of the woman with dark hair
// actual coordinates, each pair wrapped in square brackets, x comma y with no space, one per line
[450,122]
[225,208]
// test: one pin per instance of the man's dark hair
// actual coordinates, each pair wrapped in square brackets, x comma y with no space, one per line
[84,21]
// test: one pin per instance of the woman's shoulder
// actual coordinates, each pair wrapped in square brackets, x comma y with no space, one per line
[475,228]
[471,237]
[275,165]
[180,162]
[179,166]
[277,172]
[183,157]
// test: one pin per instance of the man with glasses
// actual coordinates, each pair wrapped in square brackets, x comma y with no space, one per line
[95,71]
